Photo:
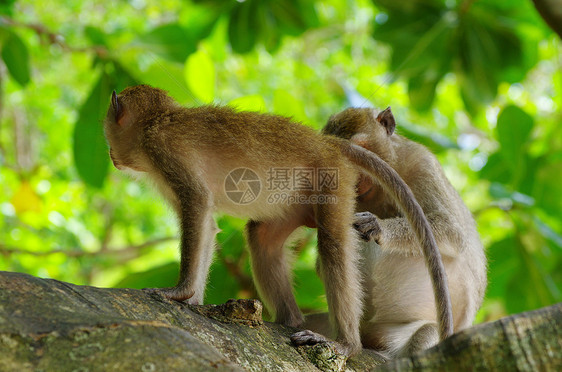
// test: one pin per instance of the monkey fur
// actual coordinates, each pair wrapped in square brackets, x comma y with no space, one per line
[189,152]
[399,313]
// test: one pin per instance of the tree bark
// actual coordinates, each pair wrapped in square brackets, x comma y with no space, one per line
[55,326]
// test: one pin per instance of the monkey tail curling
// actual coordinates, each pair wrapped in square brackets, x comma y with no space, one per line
[393,185]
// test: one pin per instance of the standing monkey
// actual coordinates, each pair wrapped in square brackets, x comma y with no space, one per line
[399,315]
[189,153]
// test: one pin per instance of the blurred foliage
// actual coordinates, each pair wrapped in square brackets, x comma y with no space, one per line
[478,82]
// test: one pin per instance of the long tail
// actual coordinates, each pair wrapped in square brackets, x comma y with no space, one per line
[393,185]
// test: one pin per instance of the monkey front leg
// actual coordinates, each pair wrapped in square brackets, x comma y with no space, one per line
[396,235]
[198,231]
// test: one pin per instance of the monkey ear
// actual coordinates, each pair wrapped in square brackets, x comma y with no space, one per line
[117,108]
[386,118]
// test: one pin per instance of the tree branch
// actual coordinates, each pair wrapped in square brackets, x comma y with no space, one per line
[54,38]
[124,251]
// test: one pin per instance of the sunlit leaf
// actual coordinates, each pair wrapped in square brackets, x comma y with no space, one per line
[171,41]
[26,199]
[284,103]
[16,58]
[200,76]
[249,103]
[157,277]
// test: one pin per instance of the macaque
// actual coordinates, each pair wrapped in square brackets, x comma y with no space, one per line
[399,316]
[193,155]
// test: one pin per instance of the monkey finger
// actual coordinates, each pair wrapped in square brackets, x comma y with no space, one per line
[359,216]
[368,226]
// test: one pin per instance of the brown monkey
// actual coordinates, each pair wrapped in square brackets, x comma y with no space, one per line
[399,314]
[193,154]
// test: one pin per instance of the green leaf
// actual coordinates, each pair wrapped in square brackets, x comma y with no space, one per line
[502,266]
[171,41]
[96,36]
[477,64]
[16,58]
[547,232]
[253,102]
[547,186]
[121,78]
[435,141]
[200,76]
[288,16]
[284,103]
[221,285]
[90,149]
[499,191]
[421,90]
[7,7]
[169,76]
[243,28]
[513,129]
[157,277]
[309,290]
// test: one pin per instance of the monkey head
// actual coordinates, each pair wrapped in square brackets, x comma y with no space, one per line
[129,114]
[365,127]
[369,129]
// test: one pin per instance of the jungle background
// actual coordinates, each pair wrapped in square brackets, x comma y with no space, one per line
[478,82]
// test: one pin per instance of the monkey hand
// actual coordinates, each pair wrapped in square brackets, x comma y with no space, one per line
[176,293]
[367,224]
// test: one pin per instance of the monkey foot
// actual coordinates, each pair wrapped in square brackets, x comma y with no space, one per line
[367,225]
[172,293]
[307,337]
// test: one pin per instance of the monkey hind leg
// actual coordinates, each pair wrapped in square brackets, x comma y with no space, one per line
[339,253]
[271,270]
[425,335]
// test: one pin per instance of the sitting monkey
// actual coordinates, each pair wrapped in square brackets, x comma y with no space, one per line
[399,316]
